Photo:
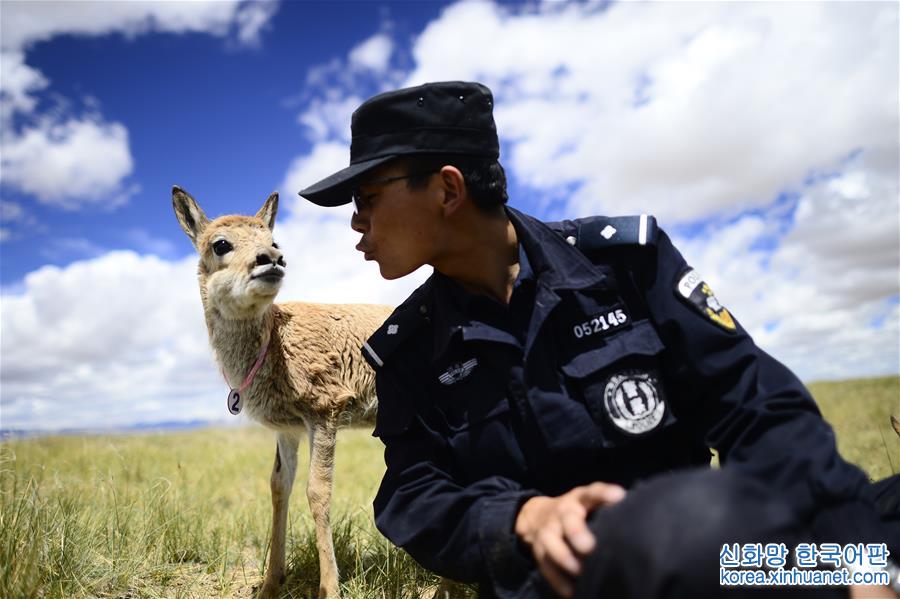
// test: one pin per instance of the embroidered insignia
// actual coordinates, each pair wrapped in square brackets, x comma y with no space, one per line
[633,402]
[392,329]
[608,231]
[697,293]
[458,372]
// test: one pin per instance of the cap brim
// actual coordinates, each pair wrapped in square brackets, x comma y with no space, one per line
[335,189]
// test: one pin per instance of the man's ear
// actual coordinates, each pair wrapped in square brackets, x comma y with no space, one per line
[455,191]
[190,215]
[269,210]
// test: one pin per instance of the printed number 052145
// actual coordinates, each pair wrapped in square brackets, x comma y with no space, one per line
[600,323]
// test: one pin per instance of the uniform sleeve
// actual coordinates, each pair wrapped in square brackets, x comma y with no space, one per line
[752,409]
[465,533]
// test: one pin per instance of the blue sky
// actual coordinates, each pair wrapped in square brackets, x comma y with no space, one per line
[762,135]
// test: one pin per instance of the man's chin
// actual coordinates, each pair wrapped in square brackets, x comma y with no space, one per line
[389,273]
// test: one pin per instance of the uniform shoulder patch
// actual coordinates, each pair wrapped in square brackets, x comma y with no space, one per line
[691,288]
[601,232]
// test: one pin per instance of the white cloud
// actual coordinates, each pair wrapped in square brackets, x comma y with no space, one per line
[27,22]
[324,159]
[13,213]
[252,18]
[679,110]
[69,164]
[147,243]
[325,267]
[18,84]
[328,120]
[824,300]
[93,344]
[77,161]
[373,54]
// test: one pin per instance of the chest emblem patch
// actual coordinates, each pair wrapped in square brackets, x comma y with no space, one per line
[692,289]
[633,402]
[458,372]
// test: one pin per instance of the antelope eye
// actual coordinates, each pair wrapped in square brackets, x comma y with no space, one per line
[222,247]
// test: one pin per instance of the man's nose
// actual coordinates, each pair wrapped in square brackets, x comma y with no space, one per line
[358,223]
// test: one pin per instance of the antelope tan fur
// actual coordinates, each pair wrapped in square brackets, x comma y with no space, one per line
[312,378]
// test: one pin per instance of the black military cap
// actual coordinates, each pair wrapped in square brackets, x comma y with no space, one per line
[450,117]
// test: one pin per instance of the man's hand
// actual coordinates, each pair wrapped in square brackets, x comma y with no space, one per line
[556,530]
[871,592]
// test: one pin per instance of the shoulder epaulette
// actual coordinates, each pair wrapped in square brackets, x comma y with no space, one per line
[600,232]
[409,316]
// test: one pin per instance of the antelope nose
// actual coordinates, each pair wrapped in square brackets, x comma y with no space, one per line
[263,259]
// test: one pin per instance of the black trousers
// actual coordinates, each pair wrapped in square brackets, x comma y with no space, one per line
[663,540]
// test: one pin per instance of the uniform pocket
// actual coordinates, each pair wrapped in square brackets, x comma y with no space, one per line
[640,340]
[620,385]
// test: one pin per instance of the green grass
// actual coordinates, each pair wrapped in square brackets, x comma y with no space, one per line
[187,514]
[182,514]
[859,411]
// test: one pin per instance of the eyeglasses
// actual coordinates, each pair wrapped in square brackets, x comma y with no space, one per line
[357,198]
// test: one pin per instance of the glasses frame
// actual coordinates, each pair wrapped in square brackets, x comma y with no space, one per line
[355,195]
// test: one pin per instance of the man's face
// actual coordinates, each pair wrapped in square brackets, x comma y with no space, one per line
[400,226]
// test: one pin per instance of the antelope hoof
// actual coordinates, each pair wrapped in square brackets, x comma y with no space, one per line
[269,590]
[329,591]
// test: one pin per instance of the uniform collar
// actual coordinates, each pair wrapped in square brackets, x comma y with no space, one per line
[458,311]
[557,264]
[545,259]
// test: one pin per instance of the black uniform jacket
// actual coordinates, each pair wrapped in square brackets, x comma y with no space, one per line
[613,362]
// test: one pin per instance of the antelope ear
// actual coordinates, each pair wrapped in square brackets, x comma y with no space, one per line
[269,210]
[190,216]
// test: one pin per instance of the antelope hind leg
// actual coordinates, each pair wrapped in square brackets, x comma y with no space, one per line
[322,438]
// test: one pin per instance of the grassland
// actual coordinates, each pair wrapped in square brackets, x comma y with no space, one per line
[187,514]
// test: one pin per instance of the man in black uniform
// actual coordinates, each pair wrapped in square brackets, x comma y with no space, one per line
[545,395]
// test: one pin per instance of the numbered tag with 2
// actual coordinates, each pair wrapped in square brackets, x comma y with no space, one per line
[235,402]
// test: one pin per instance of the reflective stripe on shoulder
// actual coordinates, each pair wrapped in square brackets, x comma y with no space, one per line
[372,354]
[642,231]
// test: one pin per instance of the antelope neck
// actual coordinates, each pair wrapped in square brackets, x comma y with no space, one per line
[231,342]
[248,380]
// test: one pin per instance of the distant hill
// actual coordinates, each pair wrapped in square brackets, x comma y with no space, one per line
[162,425]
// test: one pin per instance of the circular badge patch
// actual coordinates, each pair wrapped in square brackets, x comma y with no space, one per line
[633,403]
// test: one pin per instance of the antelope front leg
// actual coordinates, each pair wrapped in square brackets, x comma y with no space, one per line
[322,438]
[282,482]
